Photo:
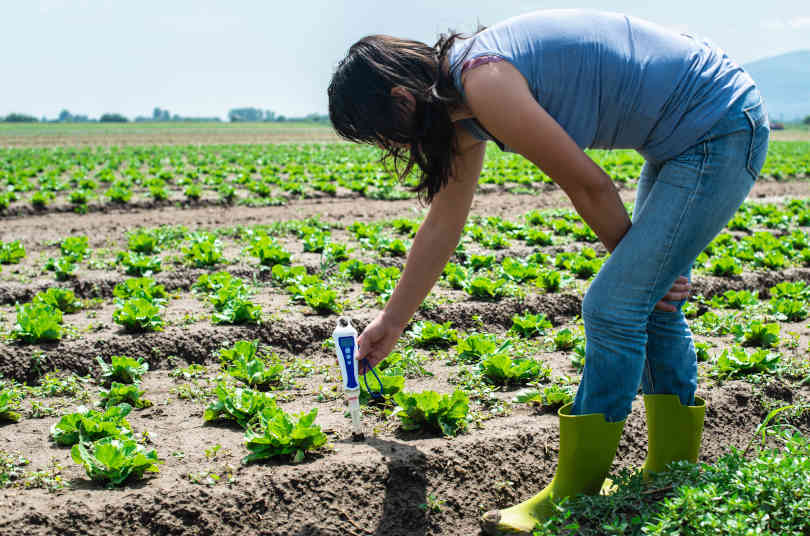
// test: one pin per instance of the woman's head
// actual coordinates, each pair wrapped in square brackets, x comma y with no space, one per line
[396,94]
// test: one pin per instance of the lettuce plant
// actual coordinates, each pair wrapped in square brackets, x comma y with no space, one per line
[288,274]
[477,262]
[63,267]
[405,226]
[550,280]
[158,193]
[74,247]
[725,266]
[500,369]
[736,362]
[59,298]
[240,350]
[394,248]
[734,299]
[427,334]
[552,397]
[122,369]
[9,404]
[322,299]
[11,252]
[334,252]
[280,434]
[788,309]
[237,404]
[113,461]
[204,252]
[790,289]
[565,339]
[584,233]
[537,237]
[757,333]
[141,287]
[211,283]
[232,306]
[584,268]
[475,347]
[355,269]
[138,314]
[193,192]
[390,383]
[455,275]
[485,288]
[269,252]
[315,240]
[119,192]
[119,393]
[37,322]
[530,325]
[87,425]
[227,193]
[381,281]
[142,242]
[138,264]
[518,271]
[255,372]
[446,414]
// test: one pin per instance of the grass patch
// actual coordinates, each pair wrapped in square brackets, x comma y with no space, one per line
[767,492]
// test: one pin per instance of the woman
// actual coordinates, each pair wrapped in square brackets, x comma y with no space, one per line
[547,85]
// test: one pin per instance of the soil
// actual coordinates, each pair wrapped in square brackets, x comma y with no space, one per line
[380,486]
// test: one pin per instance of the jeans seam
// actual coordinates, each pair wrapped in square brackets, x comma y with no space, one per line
[753,125]
[686,208]
[648,371]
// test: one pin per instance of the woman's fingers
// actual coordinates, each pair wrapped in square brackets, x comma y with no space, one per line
[666,307]
[680,290]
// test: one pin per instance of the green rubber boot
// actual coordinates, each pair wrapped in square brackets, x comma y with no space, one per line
[587,447]
[674,431]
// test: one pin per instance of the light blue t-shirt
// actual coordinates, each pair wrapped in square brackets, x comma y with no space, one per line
[611,80]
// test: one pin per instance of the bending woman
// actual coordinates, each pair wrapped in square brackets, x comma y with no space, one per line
[547,85]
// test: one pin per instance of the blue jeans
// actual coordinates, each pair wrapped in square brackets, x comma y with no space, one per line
[681,205]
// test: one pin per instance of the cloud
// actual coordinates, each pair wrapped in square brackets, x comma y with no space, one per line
[796,23]
[772,24]
[799,22]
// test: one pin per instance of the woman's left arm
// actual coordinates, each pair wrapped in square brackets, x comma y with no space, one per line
[498,95]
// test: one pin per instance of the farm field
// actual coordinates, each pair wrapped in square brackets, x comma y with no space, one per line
[221,270]
[149,133]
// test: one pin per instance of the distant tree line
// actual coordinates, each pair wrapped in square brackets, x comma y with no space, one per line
[163,115]
[257,115]
[236,115]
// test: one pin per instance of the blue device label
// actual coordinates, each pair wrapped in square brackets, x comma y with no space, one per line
[346,345]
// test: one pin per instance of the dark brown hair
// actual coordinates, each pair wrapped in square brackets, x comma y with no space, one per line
[363,110]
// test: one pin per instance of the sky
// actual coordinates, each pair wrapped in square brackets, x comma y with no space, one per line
[202,58]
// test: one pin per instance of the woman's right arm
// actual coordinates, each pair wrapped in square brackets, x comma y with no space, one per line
[432,247]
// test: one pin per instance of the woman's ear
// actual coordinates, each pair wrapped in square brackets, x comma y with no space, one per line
[406,100]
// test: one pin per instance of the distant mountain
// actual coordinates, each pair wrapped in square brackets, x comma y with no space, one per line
[785,84]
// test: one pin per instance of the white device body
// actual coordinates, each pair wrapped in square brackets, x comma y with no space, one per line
[345,339]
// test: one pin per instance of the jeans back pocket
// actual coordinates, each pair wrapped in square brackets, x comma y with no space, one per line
[760,133]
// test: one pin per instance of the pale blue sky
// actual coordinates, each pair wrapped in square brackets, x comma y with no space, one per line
[198,57]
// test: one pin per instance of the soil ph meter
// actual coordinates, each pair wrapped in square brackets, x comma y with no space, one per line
[345,337]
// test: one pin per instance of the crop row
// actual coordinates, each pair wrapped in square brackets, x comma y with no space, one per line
[266,175]
[759,236]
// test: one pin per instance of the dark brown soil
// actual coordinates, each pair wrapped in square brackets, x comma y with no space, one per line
[373,487]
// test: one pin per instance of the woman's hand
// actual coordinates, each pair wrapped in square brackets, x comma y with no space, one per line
[679,291]
[377,340]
